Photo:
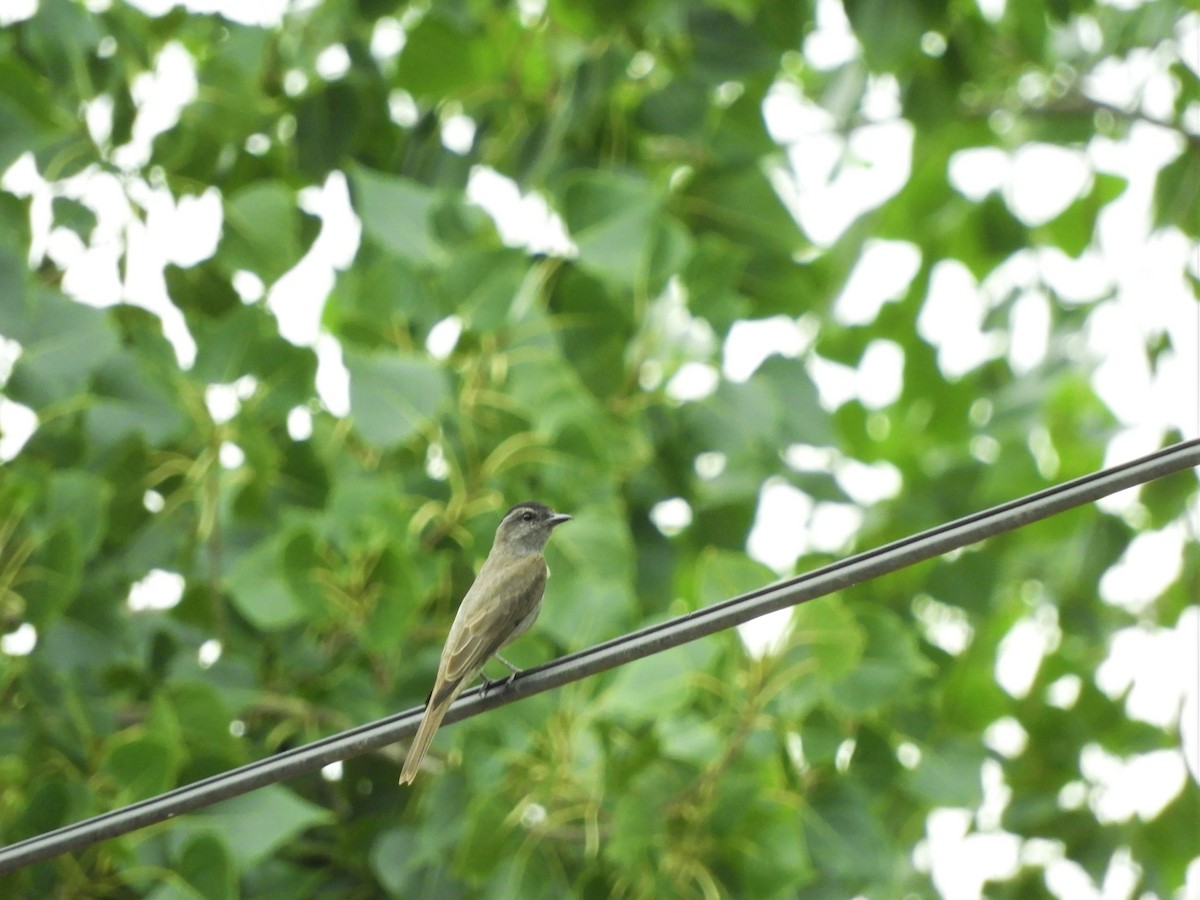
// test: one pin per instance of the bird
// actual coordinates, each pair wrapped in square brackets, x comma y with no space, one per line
[500,606]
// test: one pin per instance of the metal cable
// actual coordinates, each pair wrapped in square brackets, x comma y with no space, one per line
[618,651]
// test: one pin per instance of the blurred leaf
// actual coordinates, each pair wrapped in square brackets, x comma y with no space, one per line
[202,288]
[845,840]
[724,47]
[54,576]
[609,218]
[438,57]
[394,396]
[252,826]
[397,213]
[392,858]
[206,866]
[740,205]
[74,215]
[679,108]
[30,118]
[1177,194]
[1074,227]
[890,30]
[131,400]
[690,739]
[79,501]
[142,764]
[890,668]
[802,418]
[825,635]
[949,774]
[589,595]
[652,688]
[246,341]
[722,575]
[59,37]
[262,230]
[62,342]
[712,275]
[326,125]
[204,720]
[736,418]
[47,810]
[260,587]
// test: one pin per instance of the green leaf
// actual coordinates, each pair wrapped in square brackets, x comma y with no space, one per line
[589,596]
[825,636]
[262,230]
[845,839]
[394,396]
[203,718]
[59,36]
[722,574]
[690,738]
[382,294]
[327,122]
[48,809]
[201,290]
[890,30]
[246,341]
[131,398]
[253,825]
[1073,228]
[802,419]
[31,116]
[397,213]
[392,859]
[771,840]
[739,204]
[712,275]
[609,217]
[724,47]
[889,670]
[206,866]
[438,58]
[142,765]
[678,108]
[1177,194]
[79,501]
[74,215]
[737,418]
[54,576]
[949,774]
[63,344]
[259,586]
[651,689]
[484,283]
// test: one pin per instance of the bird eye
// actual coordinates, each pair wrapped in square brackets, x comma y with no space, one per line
[527,515]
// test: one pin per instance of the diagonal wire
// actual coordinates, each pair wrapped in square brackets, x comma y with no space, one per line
[618,651]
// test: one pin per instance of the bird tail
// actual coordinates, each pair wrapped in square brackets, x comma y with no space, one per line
[434,713]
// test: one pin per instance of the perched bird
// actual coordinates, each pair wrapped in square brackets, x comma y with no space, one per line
[500,606]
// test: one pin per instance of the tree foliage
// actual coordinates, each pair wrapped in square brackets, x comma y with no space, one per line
[322,554]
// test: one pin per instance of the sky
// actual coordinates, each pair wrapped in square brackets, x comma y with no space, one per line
[1141,268]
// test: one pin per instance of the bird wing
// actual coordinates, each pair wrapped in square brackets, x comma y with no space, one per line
[486,622]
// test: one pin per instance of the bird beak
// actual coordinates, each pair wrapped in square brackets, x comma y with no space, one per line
[558,519]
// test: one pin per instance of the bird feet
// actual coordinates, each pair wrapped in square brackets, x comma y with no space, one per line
[489,683]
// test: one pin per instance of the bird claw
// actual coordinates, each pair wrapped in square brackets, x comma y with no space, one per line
[489,683]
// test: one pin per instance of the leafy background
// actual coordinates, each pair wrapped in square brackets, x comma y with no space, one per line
[191,441]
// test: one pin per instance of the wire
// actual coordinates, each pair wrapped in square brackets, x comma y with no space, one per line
[616,652]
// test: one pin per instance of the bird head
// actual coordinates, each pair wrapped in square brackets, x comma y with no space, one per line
[526,527]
